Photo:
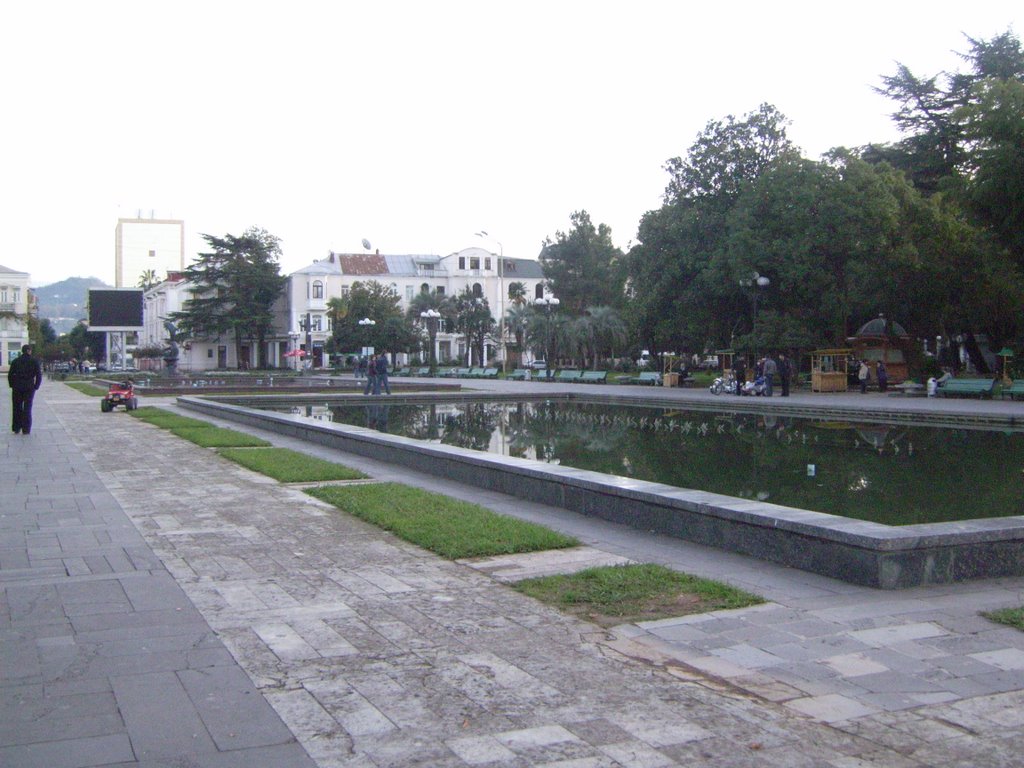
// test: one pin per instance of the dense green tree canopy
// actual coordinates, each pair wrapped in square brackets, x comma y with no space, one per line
[235,286]
[581,265]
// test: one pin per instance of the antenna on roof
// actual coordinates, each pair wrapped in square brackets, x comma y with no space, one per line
[366,244]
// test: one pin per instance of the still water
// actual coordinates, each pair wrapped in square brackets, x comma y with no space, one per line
[893,474]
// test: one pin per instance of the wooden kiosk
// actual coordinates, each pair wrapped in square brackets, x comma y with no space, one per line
[829,370]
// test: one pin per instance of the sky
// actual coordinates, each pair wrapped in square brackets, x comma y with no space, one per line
[416,124]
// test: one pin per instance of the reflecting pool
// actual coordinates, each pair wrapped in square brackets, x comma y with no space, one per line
[894,474]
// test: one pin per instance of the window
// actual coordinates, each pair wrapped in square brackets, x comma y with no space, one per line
[462,262]
[394,289]
[424,288]
[3,294]
[209,352]
[478,290]
[344,291]
[409,290]
[487,262]
[318,289]
[316,322]
[439,291]
[538,291]
[474,262]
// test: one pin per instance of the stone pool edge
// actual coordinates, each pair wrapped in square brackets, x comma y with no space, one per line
[854,551]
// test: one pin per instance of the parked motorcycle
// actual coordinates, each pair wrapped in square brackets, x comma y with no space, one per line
[724,383]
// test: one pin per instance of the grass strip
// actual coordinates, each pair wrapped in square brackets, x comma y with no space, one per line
[218,437]
[612,595]
[1011,617]
[86,389]
[167,420]
[288,466]
[448,527]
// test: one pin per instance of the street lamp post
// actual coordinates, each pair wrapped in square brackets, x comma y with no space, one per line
[431,318]
[501,297]
[367,323]
[757,282]
[294,335]
[548,303]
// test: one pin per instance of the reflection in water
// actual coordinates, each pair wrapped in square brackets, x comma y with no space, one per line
[894,474]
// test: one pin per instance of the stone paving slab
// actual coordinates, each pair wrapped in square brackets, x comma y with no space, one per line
[374,653]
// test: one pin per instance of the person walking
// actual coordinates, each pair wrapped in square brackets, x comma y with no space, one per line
[24,377]
[883,376]
[770,369]
[381,369]
[785,372]
[863,376]
[371,376]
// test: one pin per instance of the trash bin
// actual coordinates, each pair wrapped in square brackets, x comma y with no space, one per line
[670,380]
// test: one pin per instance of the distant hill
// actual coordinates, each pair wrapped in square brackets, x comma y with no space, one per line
[63,303]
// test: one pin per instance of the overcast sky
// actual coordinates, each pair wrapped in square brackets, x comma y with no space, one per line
[415,124]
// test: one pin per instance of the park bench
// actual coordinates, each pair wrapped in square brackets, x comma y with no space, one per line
[475,373]
[646,377]
[544,374]
[569,375]
[456,373]
[489,373]
[422,371]
[403,372]
[594,377]
[968,387]
[1015,390]
[519,374]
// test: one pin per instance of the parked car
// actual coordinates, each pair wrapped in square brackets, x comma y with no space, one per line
[539,365]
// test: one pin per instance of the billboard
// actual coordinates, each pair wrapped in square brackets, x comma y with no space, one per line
[115,309]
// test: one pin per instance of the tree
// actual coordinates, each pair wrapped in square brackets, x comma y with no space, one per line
[147,279]
[580,265]
[727,156]
[517,320]
[517,293]
[677,300]
[472,318]
[234,287]
[374,301]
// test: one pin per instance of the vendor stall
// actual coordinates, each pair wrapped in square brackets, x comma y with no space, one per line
[829,369]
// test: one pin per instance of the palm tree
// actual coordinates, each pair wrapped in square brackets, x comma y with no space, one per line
[147,279]
[608,330]
[517,320]
[517,293]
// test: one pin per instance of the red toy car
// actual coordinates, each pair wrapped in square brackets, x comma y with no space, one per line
[120,394]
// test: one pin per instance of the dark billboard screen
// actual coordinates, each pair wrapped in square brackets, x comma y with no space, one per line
[115,309]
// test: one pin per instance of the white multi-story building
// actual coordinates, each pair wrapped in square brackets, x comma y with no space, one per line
[309,289]
[485,274]
[142,244]
[15,305]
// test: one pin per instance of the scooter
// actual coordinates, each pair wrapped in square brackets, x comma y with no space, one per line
[756,387]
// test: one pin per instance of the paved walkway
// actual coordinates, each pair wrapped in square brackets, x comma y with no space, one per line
[162,607]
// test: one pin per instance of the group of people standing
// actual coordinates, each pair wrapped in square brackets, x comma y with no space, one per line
[864,376]
[768,369]
[375,370]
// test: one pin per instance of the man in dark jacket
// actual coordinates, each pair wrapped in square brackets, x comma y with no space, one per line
[382,374]
[24,377]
